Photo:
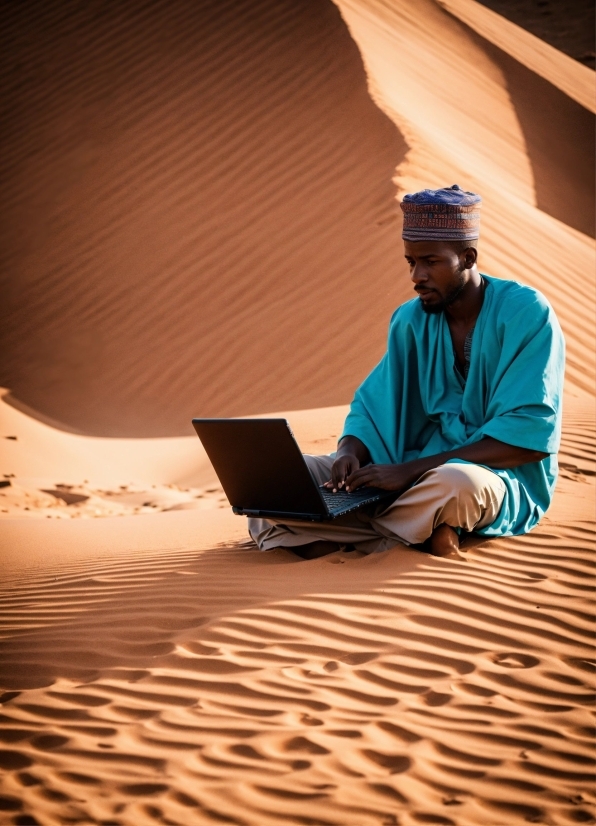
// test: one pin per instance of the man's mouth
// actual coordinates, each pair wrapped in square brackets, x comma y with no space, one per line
[424,293]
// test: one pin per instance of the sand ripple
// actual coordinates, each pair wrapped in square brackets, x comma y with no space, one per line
[386,689]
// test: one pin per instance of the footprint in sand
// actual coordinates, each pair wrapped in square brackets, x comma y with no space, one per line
[307,720]
[514,660]
[434,698]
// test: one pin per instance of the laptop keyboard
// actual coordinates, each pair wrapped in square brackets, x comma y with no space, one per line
[341,498]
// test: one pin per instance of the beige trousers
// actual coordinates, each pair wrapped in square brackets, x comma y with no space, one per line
[461,495]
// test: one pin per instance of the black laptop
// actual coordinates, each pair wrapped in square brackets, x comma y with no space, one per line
[263,472]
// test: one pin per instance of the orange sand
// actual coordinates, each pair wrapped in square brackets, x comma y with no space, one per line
[194,199]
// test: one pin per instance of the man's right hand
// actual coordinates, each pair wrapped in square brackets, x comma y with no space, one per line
[343,467]
[351,455]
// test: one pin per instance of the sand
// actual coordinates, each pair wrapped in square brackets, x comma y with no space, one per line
[566,26]
[236,178]
[155,667]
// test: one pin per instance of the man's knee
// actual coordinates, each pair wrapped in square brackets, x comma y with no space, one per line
[468,481]
[456,477]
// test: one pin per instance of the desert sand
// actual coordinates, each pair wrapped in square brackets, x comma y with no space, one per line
[194,196]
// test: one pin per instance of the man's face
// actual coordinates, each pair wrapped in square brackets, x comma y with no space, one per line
[439,273]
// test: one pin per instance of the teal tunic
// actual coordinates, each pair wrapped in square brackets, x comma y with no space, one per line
[415,403]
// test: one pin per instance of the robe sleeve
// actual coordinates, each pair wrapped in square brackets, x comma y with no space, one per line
[387,413]
[372,405]
[525,404]
[373,414]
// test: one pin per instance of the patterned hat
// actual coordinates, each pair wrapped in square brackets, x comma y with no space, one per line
[441,214]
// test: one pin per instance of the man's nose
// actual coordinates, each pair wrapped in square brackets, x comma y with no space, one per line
[418,273]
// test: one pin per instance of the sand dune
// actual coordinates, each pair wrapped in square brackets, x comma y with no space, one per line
[571,77]
[571,33]
[194,197]
[230,202]
[188,189]
[50,474]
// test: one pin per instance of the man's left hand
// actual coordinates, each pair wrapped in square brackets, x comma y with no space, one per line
[387,477]
[488,451]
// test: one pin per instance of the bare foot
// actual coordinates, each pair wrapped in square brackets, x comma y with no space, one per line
[316,549]
[444,542]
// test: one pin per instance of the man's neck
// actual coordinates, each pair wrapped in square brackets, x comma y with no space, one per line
[466,309]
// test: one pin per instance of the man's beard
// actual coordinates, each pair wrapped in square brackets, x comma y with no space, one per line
[452,295]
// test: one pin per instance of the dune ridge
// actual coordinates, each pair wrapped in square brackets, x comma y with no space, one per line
[562,71]
[482,146]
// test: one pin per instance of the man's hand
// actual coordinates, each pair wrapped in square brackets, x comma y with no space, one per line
[487,451]
[351,469]
[351,455]
[386,477]
[343,467]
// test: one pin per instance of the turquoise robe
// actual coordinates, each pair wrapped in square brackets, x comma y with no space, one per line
[415,402]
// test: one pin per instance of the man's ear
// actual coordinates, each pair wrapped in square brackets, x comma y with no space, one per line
[470,257]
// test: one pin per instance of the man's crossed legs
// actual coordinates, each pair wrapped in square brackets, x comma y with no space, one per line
[455,495]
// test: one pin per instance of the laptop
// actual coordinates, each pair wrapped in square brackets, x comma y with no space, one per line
[263,472]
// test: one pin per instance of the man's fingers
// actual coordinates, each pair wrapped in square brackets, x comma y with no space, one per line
[336,477]
[357,479]
[341,470]
[339,473]
[336,480]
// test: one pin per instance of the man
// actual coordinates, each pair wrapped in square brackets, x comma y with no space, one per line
[461,417]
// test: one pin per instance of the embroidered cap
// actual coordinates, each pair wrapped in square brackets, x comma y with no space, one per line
[441,214]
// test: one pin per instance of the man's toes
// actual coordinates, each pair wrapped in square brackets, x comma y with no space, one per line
[444,541]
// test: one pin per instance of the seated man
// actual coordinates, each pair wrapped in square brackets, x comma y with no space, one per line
[462,415]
